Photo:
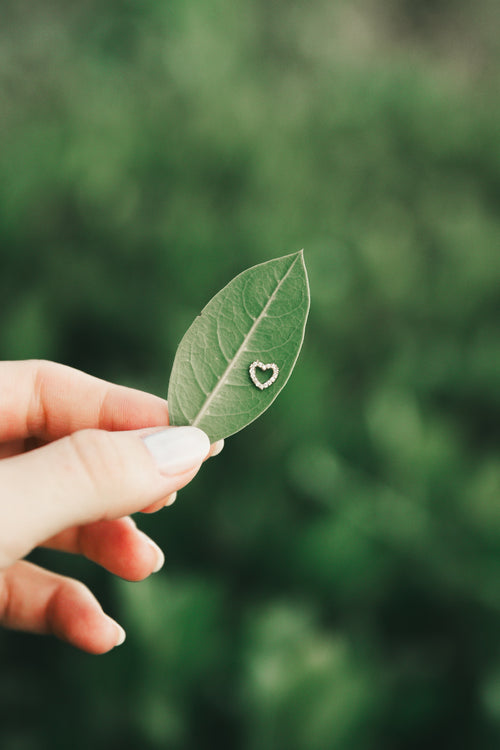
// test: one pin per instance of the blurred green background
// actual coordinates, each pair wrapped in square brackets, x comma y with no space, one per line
[333,578]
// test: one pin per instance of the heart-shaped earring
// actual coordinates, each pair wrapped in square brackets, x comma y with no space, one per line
[263,367]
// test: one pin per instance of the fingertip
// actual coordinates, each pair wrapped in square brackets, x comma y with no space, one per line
[171,499]
[156,556]
[77,618]
[108,636]
[160,504]
[120,633]
[216,448]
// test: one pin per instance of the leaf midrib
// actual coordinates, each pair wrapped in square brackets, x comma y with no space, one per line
[241,348]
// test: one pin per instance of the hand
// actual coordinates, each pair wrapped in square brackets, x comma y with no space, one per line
[77,455]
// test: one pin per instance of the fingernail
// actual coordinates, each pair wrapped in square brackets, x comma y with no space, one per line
[171,499]
[160,557]
[121,635]
[177,449]
[217,448]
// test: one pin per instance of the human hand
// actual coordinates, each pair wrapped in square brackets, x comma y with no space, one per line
[77,455]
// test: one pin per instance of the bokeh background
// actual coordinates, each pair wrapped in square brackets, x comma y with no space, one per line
[333,578]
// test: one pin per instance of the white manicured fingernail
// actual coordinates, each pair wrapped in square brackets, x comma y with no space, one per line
[177,449]
[217,448]
[171,499]
[121,635]
[160,557]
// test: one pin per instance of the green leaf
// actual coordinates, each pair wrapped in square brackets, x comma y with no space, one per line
[259,316]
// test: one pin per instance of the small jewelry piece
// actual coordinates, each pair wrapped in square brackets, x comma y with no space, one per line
[261,366]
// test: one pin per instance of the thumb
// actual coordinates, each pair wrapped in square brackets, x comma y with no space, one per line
[89,476]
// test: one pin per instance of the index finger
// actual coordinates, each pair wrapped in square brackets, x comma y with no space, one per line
[46,400]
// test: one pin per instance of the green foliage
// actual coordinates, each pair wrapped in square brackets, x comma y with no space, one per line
[332,579]
[261,314]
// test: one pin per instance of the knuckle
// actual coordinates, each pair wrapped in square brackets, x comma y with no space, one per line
[38,364]
[40,372]
[97,458]
[40,369]
[70,588]
[69,593]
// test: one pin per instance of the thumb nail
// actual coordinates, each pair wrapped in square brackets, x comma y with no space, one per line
[177,449]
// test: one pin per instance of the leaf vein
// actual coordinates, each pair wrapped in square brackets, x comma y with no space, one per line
[243,347]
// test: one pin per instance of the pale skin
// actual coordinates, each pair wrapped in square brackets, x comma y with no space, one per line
[72,470]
